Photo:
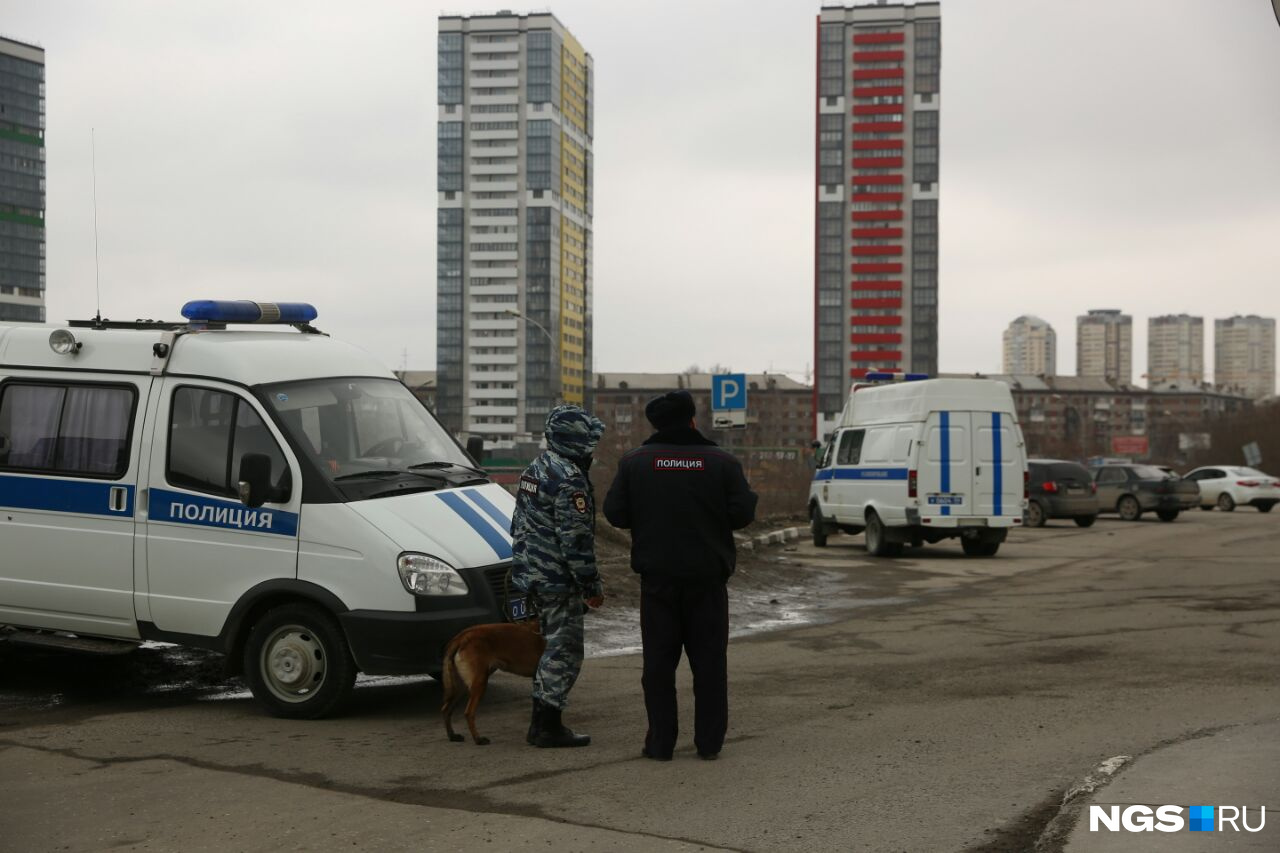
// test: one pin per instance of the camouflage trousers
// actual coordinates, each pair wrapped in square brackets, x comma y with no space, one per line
[561,617]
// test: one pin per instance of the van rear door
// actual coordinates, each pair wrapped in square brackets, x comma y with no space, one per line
[945,472]
[997,452]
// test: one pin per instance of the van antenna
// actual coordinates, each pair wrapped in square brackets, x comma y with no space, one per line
[93,153]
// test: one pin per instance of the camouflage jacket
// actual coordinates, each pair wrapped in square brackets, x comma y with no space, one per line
[553,527]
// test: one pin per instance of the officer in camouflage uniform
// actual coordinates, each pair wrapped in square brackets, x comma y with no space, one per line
[554,562]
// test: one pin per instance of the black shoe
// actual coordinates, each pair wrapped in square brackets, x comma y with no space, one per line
[555,734]
[535,723]
[708,756]
[647,754]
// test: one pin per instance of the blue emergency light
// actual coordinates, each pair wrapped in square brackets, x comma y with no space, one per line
[244,311]
[895,377]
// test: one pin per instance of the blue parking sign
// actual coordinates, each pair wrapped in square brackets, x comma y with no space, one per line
[728,392]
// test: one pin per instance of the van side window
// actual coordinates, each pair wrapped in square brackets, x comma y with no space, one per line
[70,430]
[850,447]
[209,433]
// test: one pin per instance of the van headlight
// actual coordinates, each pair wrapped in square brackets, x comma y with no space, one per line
[423,574]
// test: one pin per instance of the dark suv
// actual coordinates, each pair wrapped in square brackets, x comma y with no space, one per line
[1057,489]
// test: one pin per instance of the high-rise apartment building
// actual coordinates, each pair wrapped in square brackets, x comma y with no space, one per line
[1175,351]
[514,242]
[1244,356]
[21,181]
[1104,345]
[876,194]
[1030,347]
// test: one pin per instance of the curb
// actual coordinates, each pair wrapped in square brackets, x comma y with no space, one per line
[776,537]
[1058,830]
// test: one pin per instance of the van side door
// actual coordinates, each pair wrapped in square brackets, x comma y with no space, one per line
[945,475]
[69,459]
[998,465]
[846,497]
[204,547]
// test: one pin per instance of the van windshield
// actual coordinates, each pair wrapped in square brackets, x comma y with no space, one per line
[362,428]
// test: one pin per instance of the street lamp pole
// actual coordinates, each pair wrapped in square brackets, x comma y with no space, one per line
[514,313]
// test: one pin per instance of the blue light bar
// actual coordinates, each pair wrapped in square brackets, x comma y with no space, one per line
[244,311]
[895,377]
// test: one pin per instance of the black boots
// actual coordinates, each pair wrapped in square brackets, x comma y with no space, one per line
[550,732]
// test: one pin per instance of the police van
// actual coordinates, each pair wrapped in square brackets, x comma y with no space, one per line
[269,493]
[921,460]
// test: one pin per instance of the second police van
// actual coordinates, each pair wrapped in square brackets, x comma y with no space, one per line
[275,495]
[920,461]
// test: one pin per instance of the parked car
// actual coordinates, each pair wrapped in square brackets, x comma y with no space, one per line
[1058,489]
[1131,490]
[1229,486]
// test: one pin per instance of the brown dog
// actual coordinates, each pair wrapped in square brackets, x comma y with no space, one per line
[476,653]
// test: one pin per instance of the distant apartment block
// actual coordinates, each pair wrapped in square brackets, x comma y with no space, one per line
[1030,346]
[22,242]
[1244,356]
[1104,345]
[514,233]
[876,195]
[1175,351]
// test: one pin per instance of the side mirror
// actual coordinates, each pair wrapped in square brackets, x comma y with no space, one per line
[475,449]
[255,479]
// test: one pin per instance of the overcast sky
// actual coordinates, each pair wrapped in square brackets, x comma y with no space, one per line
[1119,154]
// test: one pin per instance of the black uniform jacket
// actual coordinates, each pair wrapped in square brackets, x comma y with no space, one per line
[681,496]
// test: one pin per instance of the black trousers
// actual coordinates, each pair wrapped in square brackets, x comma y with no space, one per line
[677,616]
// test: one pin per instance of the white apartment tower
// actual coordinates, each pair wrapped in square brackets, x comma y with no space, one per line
[1175,351]
[1104,345]
[1030,346]
[1244,356]
[514,243]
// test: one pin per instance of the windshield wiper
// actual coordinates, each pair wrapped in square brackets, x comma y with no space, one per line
[381,473]
[441,464]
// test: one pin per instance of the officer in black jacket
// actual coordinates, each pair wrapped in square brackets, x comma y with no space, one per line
[682,497]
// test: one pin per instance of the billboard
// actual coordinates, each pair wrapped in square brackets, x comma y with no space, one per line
[1129,445]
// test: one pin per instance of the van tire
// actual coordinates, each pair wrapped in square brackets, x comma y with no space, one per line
[817,527]
[979,547]
[297,663]
[1167,514]
[1085,520]
[878,544]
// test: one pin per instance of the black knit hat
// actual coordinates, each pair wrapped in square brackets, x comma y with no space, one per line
[672,409]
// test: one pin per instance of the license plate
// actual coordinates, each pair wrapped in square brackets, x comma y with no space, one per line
[517,609]
[971,522]
[946,500]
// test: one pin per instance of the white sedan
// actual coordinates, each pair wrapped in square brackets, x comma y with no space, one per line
[1228,486]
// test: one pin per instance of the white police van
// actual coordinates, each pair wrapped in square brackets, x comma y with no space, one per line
[275,495]
[922,460]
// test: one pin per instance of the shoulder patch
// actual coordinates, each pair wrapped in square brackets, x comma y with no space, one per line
[528,485]
[580,502]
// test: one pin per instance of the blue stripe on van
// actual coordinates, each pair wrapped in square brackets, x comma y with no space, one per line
[496,540]
[862,474]
[88,497]
[998,482]
[944,423]
[500,518]
[186,508]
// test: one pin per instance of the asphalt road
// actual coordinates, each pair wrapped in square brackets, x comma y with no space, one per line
[946,707]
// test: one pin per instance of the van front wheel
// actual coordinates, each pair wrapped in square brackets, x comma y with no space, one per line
[297,662]
[816,527]
[979,547]
[878,544]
